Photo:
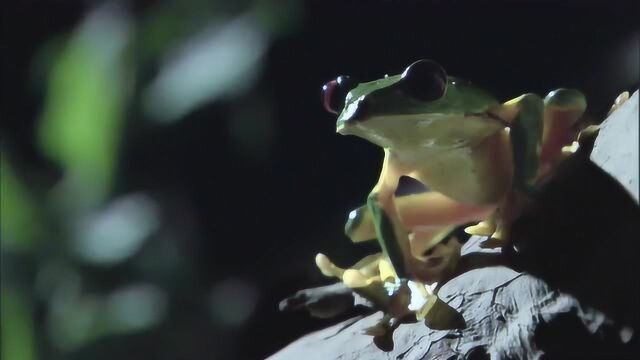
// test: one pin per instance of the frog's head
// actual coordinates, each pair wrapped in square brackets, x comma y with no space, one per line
[422,107]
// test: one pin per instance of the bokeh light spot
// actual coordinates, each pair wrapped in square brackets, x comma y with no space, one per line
[232,302]
[115,233]
[135,307]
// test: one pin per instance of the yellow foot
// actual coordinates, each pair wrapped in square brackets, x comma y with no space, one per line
[570,149]
[328,268]
[483,228]
[355,279]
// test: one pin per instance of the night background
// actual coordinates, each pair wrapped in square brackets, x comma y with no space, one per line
[168,172]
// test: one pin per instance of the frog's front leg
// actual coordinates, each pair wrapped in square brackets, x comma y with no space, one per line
[390,231]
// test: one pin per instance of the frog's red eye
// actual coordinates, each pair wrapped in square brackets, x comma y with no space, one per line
[334,93]
[424,80]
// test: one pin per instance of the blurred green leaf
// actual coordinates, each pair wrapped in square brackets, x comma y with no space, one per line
[83,114]
[19,228]
[16,326]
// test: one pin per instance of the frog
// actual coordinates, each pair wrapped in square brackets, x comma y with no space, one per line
[480,159]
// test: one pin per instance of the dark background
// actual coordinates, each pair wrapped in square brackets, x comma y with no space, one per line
[249,187]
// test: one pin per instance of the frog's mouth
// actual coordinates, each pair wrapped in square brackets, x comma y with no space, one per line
[340,127]
[361,128]
[349,127]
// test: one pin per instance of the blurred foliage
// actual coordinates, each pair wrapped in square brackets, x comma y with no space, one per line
[19,213]
[63,247]
[16,326]
[83,114]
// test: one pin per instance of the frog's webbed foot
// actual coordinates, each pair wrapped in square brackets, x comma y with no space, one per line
[619,101]
[383,327]
[509,209]
[438,315]
[483,228]
[396,311]
[382,332]
[586,140]
[363,273]
[491,228]
[570,149]
[365,278]
[499,237]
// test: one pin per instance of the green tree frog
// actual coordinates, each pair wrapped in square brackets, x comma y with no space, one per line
[480,159]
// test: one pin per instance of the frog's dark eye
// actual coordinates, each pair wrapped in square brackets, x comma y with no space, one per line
[335,91]
[424,80]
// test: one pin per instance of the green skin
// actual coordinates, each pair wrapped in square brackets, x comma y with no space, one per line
[457,145]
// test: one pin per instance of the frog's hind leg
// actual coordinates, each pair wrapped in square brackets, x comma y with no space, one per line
[417,210]
[563,109]
[525,118]
[538,130]
[426,216]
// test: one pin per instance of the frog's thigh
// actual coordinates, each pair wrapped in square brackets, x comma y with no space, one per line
[525,123]
[424,209]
